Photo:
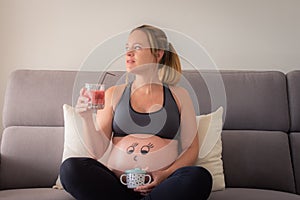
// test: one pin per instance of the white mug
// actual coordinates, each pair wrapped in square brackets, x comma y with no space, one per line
[134,178]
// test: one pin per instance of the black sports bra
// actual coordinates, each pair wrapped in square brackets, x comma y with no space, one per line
[164,123]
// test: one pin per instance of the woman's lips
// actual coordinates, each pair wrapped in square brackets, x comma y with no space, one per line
[130,61]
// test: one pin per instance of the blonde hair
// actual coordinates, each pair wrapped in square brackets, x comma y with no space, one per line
[170,67]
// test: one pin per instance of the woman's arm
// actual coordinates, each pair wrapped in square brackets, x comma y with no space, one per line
[96,138]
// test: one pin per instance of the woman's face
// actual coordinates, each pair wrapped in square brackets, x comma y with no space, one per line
[138,52]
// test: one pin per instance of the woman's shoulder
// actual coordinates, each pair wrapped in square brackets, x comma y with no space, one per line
[180,94]
[116,88]
[179,91]
[114,93]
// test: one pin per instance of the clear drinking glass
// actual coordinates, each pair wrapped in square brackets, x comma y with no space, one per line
[96,93]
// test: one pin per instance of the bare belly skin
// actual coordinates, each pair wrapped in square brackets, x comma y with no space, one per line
[145,151]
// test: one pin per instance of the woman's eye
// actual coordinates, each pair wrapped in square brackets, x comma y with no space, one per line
[137,47]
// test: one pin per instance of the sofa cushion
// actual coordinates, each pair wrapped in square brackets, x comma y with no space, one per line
[251,194]
[295,148]
[293,80]
[257,159]
[249,97]
[256,101]
[35,194]
[210,151]
[30,156]
[42,93]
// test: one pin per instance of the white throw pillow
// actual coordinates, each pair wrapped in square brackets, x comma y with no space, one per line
[73,144]
[210,152]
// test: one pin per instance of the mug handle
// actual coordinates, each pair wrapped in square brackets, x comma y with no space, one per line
[121,179]
[150,179]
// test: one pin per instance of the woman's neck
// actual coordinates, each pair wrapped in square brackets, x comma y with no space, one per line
[146,80]
[145,83]
[147,75]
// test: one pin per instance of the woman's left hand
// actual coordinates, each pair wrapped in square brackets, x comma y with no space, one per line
[157,178]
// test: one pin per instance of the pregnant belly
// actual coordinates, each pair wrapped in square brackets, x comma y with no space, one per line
[144,151]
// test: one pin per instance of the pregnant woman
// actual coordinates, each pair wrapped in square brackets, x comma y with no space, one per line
[151,124]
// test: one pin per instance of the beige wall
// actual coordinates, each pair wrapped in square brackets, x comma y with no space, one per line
[59,34]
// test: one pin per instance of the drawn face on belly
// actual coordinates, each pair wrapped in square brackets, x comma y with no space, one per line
[136,148]
[148,153]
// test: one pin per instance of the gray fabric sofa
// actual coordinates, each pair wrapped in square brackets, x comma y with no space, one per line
[260,138]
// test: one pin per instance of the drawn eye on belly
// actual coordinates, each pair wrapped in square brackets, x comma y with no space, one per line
[146,148]
[131,148]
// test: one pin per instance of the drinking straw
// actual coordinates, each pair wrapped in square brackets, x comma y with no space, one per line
[103,78]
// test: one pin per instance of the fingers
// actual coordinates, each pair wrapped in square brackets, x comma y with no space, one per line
[145,189]
[82,91]
[143,192]
[82,102]
[80,110]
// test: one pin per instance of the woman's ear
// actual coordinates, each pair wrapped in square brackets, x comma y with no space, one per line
[159,55]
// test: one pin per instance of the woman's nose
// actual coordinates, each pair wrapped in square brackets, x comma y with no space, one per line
[130,53]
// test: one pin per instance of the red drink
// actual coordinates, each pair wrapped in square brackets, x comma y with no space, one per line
[97,98]
[96,94]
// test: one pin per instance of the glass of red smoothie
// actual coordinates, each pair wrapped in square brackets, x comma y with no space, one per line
[96,93]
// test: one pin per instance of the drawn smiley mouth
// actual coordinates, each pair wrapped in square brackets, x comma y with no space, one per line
[135,158]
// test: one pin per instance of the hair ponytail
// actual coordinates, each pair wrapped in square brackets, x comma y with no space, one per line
[170,70]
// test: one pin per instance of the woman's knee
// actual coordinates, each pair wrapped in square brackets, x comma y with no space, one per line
[200,172]
[197,176]
[71,168]
[69,165]
[195,170]
[199,181]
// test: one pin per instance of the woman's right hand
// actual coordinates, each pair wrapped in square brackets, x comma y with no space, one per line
[82,104]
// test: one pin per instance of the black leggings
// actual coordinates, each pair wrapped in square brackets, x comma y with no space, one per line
[88,179]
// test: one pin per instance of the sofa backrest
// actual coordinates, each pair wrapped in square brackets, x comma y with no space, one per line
[293,80]
[256,124]
[255,100]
